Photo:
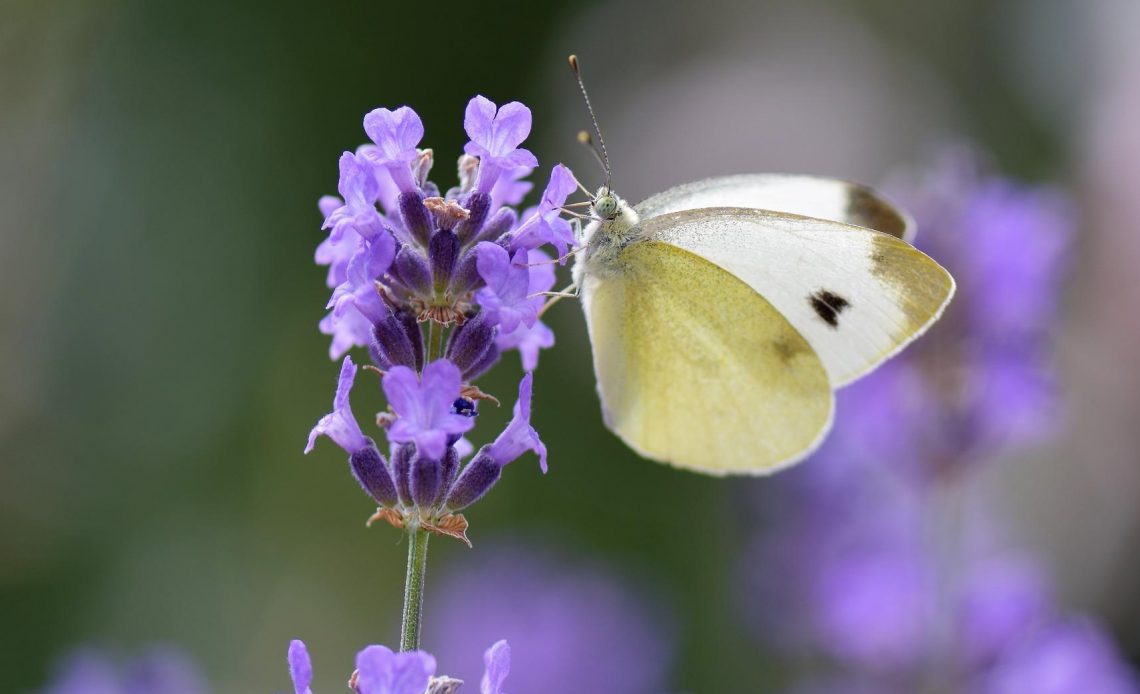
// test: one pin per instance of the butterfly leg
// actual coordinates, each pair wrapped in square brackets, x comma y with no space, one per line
[571,292]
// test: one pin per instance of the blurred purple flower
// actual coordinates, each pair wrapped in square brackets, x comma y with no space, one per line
[871,607]
[1072,657]
[572,627]
[340,424]
[159,670]
[1002,599]
[424,407]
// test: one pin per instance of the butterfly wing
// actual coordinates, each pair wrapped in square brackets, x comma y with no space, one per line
[857,296]
[810,196]
[697,370]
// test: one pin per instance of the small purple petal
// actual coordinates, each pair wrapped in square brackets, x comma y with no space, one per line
[497,661]
[380,671]
[495,137]
[562,183]
[423,407]
[396,133]
[519,436]
[340,424]
[507,283]
[478,119]
[300,667]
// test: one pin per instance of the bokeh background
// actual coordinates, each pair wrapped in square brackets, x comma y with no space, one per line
[160,365]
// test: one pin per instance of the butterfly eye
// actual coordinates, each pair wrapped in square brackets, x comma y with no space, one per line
[606,207]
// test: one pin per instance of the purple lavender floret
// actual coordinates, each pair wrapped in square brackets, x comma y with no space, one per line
[437,287]
[379,670]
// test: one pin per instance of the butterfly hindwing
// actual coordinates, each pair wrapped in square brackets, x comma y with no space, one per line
[698,370]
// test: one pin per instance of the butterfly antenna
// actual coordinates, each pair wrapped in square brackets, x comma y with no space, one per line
[585,139]
[605,157]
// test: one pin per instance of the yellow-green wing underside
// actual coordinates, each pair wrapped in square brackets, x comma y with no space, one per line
[697,370]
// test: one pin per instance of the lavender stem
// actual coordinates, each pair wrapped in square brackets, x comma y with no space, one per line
[414,589]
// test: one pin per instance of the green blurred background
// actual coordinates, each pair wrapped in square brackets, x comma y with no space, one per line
[159,357]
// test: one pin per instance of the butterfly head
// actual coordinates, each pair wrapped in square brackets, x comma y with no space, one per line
[606,205]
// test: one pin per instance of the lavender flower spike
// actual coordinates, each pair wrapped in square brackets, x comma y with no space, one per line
[340,424]
[495,138]
[424,407]
[300,667]
[380,671]
[497,660]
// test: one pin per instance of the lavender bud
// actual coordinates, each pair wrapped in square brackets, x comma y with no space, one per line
[411,270]
[466,277]
[449,469]
[468,344]
[415,215]
[478,205]
[392,344]
[483,363]
[402,468]
[476,480]
[371,472]
[426,481]
[443,252]
[496,226]
[412,330]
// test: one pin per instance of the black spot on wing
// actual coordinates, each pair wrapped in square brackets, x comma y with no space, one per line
[828,305]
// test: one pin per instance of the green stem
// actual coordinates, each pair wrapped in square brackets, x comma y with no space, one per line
[435,341]
[414,588]
[418,540]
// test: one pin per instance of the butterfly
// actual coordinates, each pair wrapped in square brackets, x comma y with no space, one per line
[723,314]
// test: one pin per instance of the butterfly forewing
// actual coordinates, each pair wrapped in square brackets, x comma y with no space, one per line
[810,196]
[857,296]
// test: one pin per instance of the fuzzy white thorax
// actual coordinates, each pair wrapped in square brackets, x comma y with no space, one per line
[604,239]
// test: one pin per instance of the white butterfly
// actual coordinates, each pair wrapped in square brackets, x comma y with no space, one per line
[723,313]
